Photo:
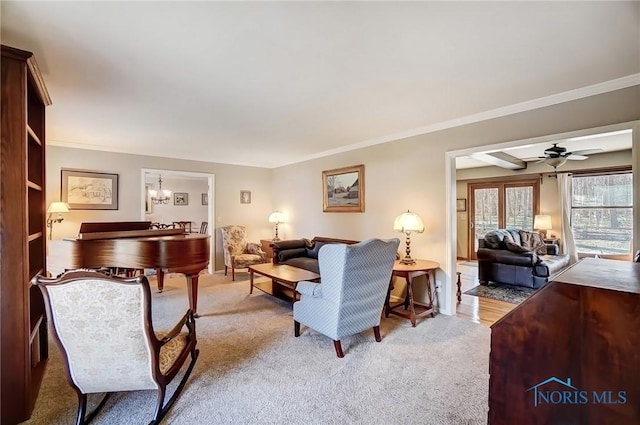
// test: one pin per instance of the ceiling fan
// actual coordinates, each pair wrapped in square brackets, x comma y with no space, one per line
[555,156]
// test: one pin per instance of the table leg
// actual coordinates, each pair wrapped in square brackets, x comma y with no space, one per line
[459,293]
[412,309]
[192,290]
[430,294]
[160,278]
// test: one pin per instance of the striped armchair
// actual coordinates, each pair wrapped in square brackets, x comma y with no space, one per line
[355,280]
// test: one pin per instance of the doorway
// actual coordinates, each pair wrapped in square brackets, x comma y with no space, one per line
[498,205]
[203,197]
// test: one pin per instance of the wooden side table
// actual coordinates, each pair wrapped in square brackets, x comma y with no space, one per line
[409,272]
[264,243]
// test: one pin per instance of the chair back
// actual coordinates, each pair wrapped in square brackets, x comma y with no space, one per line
[203,227]
[356,277]
[234,241]
[186,225]
[102,325]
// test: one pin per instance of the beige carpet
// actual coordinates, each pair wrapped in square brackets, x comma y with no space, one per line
[252,370]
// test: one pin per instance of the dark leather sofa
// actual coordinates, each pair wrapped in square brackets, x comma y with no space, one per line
[497,263]
[302,253]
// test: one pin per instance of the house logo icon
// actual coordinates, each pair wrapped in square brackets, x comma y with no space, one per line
[569,394]
[538,394]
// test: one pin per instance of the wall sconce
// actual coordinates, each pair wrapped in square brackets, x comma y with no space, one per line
[56,207]
[406,223]
[542,223]
[276,217]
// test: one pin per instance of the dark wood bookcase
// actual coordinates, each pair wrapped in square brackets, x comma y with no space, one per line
[23,323]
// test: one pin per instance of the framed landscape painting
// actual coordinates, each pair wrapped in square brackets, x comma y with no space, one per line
[343,189]
[88,190]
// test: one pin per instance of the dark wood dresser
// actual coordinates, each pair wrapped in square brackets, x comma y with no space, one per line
[570,354]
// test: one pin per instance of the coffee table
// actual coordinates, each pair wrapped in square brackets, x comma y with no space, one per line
[282,275]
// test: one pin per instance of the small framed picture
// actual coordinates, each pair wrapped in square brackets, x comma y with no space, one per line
[205,199]
[461,205]
[180,198]
[245,196]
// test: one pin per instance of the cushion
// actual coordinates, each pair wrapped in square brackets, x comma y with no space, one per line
[313,252]
[253,248]
[514,247]
[533,241]
[495,238]
[291,253]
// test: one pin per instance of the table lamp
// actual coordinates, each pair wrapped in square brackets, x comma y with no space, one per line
[276,217]
[406,223]
[56,207]
[542,223]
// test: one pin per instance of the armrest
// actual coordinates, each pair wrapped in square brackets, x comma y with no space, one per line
[505,256]
[552,249]
[187,319]
[309,288]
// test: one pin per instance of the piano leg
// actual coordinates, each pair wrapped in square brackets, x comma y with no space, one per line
[192,288]
[160,276]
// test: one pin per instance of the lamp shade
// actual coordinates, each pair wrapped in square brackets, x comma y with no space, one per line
[276,217]
[58,207]
[542,222]
[408,222]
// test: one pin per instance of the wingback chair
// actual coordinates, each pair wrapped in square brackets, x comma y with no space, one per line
[238,252]
[102,325]
[355,280]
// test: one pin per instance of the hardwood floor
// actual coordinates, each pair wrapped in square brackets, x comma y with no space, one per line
[478,309]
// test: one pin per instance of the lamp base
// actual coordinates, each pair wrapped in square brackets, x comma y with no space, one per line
[276,239]
[407,261]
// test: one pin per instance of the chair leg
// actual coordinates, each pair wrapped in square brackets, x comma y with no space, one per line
[338,347]
[82,417]
[296,328]
[376,332]
[225,270]
[233,273]
[161,411]
[159,404]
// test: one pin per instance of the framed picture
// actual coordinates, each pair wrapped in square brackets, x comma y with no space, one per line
[180,198]
[245,196]
[343,189]
[205,199]
[89,190]
[461,205]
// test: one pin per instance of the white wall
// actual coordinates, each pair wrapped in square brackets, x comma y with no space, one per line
[410,174]
[229,180]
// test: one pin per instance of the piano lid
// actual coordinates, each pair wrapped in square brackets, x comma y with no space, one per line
[122,229]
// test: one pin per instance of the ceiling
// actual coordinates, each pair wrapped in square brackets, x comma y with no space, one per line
[274,83]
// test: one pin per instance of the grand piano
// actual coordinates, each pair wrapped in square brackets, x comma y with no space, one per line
[134,245]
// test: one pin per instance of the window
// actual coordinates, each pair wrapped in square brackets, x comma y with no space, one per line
[602,212]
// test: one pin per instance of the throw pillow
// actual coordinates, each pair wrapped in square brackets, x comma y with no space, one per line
[514,247]
[496,238]
[254,248]
[533,241]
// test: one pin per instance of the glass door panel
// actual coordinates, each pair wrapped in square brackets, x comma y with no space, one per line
[519,207]
[486,204]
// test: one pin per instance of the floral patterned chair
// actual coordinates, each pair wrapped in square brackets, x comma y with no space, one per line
[102,325]
[238,252]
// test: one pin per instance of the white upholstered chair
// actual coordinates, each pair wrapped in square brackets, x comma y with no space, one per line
[102,325]
[350,298]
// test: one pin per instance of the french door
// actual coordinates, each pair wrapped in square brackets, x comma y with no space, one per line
[499,205]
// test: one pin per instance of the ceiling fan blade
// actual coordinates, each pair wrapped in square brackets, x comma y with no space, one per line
[585,151]
[575,157]
[540,159]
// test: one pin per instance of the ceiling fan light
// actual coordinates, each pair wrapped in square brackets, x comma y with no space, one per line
[555,162]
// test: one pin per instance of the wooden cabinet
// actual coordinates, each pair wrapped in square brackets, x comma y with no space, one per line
[569,353]
[23,341]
